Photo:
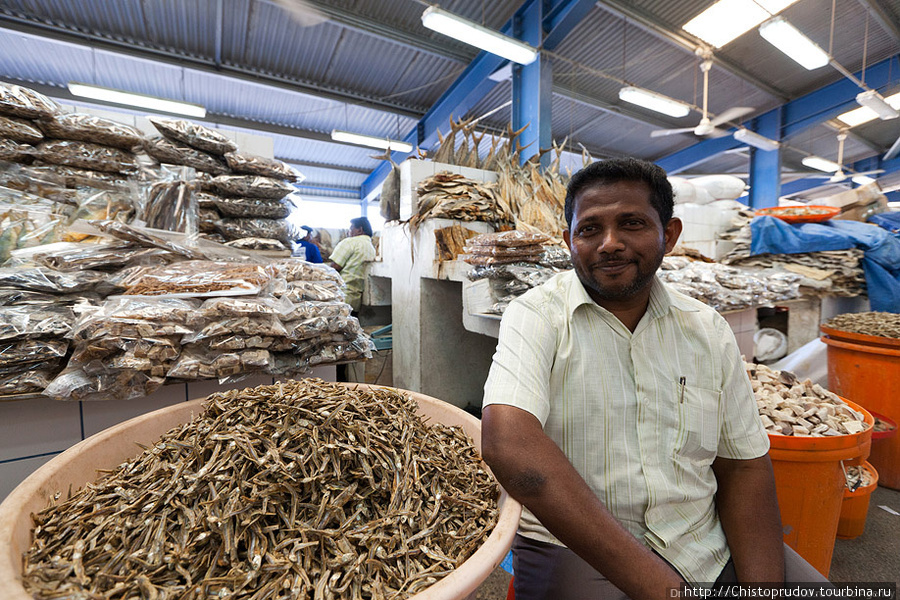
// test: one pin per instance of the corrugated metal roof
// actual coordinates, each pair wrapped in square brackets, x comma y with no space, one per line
[264,68]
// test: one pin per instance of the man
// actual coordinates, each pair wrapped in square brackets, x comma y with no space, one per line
[349,258]
[619,414]
[309,246]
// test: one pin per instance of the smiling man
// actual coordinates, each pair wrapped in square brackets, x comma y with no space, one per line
[619,414]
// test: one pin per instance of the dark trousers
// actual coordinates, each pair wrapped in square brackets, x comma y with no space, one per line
[550,572]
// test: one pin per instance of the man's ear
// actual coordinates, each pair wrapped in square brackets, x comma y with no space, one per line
[672,231]
[567,239]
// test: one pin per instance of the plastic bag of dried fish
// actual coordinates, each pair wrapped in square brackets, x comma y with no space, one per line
[508,239]
[256,243]
[35,321]
[214,309]
[264,325]
[175,153]
[226,367]
[170,204]
[253,207]
[89,128]
[101,257]
[74,384]
[159,349]
[788,406]
[230,343]
[248,186]
[17,152]
[144,237]
[43,279]
[19,130]
[31,351]
[300,311]
[192,134]
[278,229]
[83,177]
[359,349]
[477,259]
[299,270]
[319,326]
[318,291]
[30,382]
[87,155]
[251,164]
[200,277]
[21,101]
[505,251]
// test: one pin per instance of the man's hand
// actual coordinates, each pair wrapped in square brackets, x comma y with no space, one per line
[534,471]
[748,509]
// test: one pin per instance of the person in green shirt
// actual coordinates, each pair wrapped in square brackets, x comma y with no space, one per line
[349,258]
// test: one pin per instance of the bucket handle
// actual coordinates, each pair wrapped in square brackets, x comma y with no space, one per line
[851,485]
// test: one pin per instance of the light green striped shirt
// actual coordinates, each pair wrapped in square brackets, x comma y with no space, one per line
[612,402]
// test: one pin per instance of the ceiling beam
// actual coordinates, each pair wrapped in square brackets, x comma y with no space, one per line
[201,64]
[884,18]
[685,41]
[329,166]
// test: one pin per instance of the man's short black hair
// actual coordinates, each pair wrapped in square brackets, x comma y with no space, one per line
[623,169]
[362,223]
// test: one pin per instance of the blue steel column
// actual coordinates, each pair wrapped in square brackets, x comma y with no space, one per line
[765,165]
[532,86]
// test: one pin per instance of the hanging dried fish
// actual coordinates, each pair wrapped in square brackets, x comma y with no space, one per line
[302,489]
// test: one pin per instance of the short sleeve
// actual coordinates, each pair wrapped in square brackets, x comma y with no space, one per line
[743,436]
[341,252]
[520,372]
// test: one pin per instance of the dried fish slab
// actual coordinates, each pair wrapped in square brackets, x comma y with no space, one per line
[788,406]
[304,488]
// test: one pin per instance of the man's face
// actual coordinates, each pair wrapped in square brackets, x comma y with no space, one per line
[617,241]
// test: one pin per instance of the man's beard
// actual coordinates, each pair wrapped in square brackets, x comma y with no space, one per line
[640,281]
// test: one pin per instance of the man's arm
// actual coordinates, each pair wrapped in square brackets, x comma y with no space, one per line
[748,509]
[534,471]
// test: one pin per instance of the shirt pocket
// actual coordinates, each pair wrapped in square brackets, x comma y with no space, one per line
[697,437]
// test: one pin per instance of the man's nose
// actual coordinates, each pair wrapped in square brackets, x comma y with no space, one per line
[610,241]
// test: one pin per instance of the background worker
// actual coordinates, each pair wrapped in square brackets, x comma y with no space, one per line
[309,246]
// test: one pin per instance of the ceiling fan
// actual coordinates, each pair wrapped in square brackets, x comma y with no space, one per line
[707,127]
[840,175]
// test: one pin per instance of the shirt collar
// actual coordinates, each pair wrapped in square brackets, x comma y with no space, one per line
[661,301]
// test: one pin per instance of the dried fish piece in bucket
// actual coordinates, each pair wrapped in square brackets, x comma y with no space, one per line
[314,489]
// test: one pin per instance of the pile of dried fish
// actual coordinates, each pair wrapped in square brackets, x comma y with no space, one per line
[727,288]
[858,476]
[830,272]
[451,196]
[32,346]
[301,489]
[881,324]
[534,196]
[788,406]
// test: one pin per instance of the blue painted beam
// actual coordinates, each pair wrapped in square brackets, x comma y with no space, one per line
[765,165]
[532,87]
[473,84]
[801,113]
[801,185]
[696,154]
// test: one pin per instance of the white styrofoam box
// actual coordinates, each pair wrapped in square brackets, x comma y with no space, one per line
[743,325]
[103,414]
[14,472]
[38,426]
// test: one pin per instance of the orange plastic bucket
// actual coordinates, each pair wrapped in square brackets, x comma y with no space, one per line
[855,507]
[810,485]
[866,370]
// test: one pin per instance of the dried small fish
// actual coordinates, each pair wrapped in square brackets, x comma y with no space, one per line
[882,324]
[302,489]
[788,406]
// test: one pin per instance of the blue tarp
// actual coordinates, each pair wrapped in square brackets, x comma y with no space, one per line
[889,220]
[881,248]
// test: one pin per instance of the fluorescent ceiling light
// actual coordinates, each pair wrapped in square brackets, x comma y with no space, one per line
[820,164]
[797,46]
[477,35]
[653,101]
[137,100]
[371,141]
[727,19]
[752,138]
[875,101]
[864,114]
[862,179]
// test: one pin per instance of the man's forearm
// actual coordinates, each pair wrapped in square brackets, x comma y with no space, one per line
[748,509]
[534,471]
